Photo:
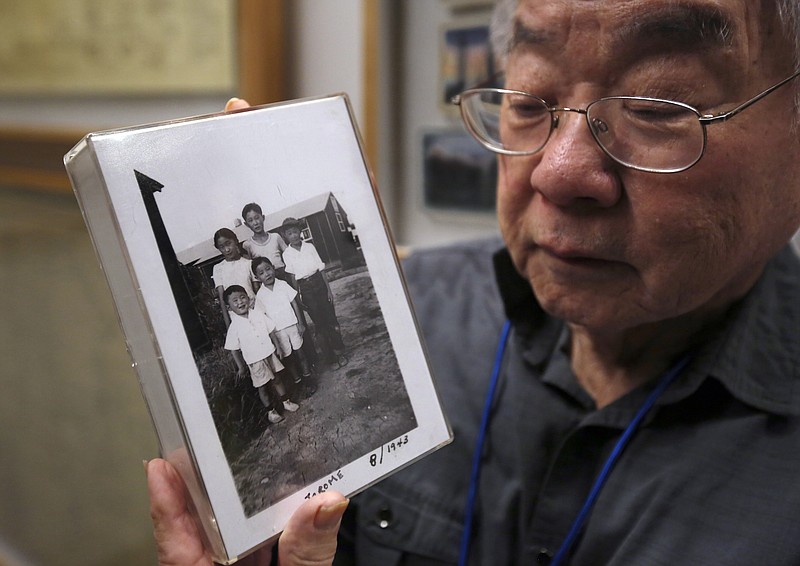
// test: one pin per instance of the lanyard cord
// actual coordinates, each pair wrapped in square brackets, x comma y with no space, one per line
[577,525]
[466,533]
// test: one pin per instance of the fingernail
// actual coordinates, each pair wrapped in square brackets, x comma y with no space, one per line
[330,516]
[145,463]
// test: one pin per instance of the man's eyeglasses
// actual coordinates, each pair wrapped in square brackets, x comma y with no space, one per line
[646,134]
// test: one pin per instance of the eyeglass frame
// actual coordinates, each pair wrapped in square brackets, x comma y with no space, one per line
[704,119]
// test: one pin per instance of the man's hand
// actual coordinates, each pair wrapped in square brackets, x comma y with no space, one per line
[308,540]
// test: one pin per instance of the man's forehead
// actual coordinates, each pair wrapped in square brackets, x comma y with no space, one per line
[686,24]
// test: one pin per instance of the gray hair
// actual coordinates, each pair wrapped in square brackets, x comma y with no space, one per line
[502,27]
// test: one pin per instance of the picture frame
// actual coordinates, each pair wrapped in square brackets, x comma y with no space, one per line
[161,201]
[458,172]
[466,57]
[464,5]
[30,157]
[71,47]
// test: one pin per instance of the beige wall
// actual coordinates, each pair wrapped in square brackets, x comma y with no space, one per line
[73,427]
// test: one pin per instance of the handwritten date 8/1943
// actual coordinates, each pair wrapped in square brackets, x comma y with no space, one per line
[376,458]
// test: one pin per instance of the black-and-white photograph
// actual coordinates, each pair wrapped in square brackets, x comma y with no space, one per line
[263,306]
[289,341]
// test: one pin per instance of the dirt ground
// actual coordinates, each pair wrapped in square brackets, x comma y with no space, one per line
[354,410]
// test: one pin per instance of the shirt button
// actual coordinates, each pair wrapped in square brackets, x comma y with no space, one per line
[544,557]
[384,518]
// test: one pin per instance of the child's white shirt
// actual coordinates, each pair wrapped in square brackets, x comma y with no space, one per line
[304,262]
[250,334]
[271,249]
[277,303]
[237,272]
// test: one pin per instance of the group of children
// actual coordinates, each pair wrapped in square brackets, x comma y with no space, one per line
[263,286]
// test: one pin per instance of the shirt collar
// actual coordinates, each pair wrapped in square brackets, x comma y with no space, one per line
[237,317]
[757,356]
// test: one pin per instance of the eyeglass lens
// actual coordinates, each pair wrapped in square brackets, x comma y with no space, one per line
[646,134]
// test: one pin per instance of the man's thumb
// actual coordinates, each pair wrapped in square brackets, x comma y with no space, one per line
[310,536]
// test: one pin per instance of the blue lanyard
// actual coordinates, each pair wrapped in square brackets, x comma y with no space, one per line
[472,494]
[612,459]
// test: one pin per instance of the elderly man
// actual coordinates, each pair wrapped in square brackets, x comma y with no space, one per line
[645,406]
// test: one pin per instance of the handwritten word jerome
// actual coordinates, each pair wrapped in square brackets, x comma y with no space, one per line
[325,486]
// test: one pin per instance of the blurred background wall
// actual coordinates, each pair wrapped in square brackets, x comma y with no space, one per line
[73,427]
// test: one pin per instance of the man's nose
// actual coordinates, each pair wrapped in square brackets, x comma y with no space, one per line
[573,168]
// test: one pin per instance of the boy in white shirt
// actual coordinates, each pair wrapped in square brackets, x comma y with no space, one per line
[279,300]
[250,338]
[305,266]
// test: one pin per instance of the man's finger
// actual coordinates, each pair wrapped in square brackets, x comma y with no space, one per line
[236,104]
[177,537]
[310,536]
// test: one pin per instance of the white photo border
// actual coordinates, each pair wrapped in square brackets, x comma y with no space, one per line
[335,150]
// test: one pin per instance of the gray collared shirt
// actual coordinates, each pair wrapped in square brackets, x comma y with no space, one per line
[712,476]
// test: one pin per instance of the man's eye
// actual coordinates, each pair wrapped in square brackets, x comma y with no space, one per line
[525,107]
[524,111]
[655,111]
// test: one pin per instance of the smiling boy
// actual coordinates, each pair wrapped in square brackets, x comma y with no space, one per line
[251,340]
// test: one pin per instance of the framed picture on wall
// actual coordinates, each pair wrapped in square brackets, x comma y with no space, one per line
[114,48]
[466,58]
[458,173]
[233,47]
[462,5]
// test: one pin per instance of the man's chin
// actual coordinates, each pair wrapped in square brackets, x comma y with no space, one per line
[585,309]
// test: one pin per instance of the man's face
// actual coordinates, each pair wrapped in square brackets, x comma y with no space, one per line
[611,248]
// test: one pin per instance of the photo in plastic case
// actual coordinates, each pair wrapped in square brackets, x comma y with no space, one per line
[263,306]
